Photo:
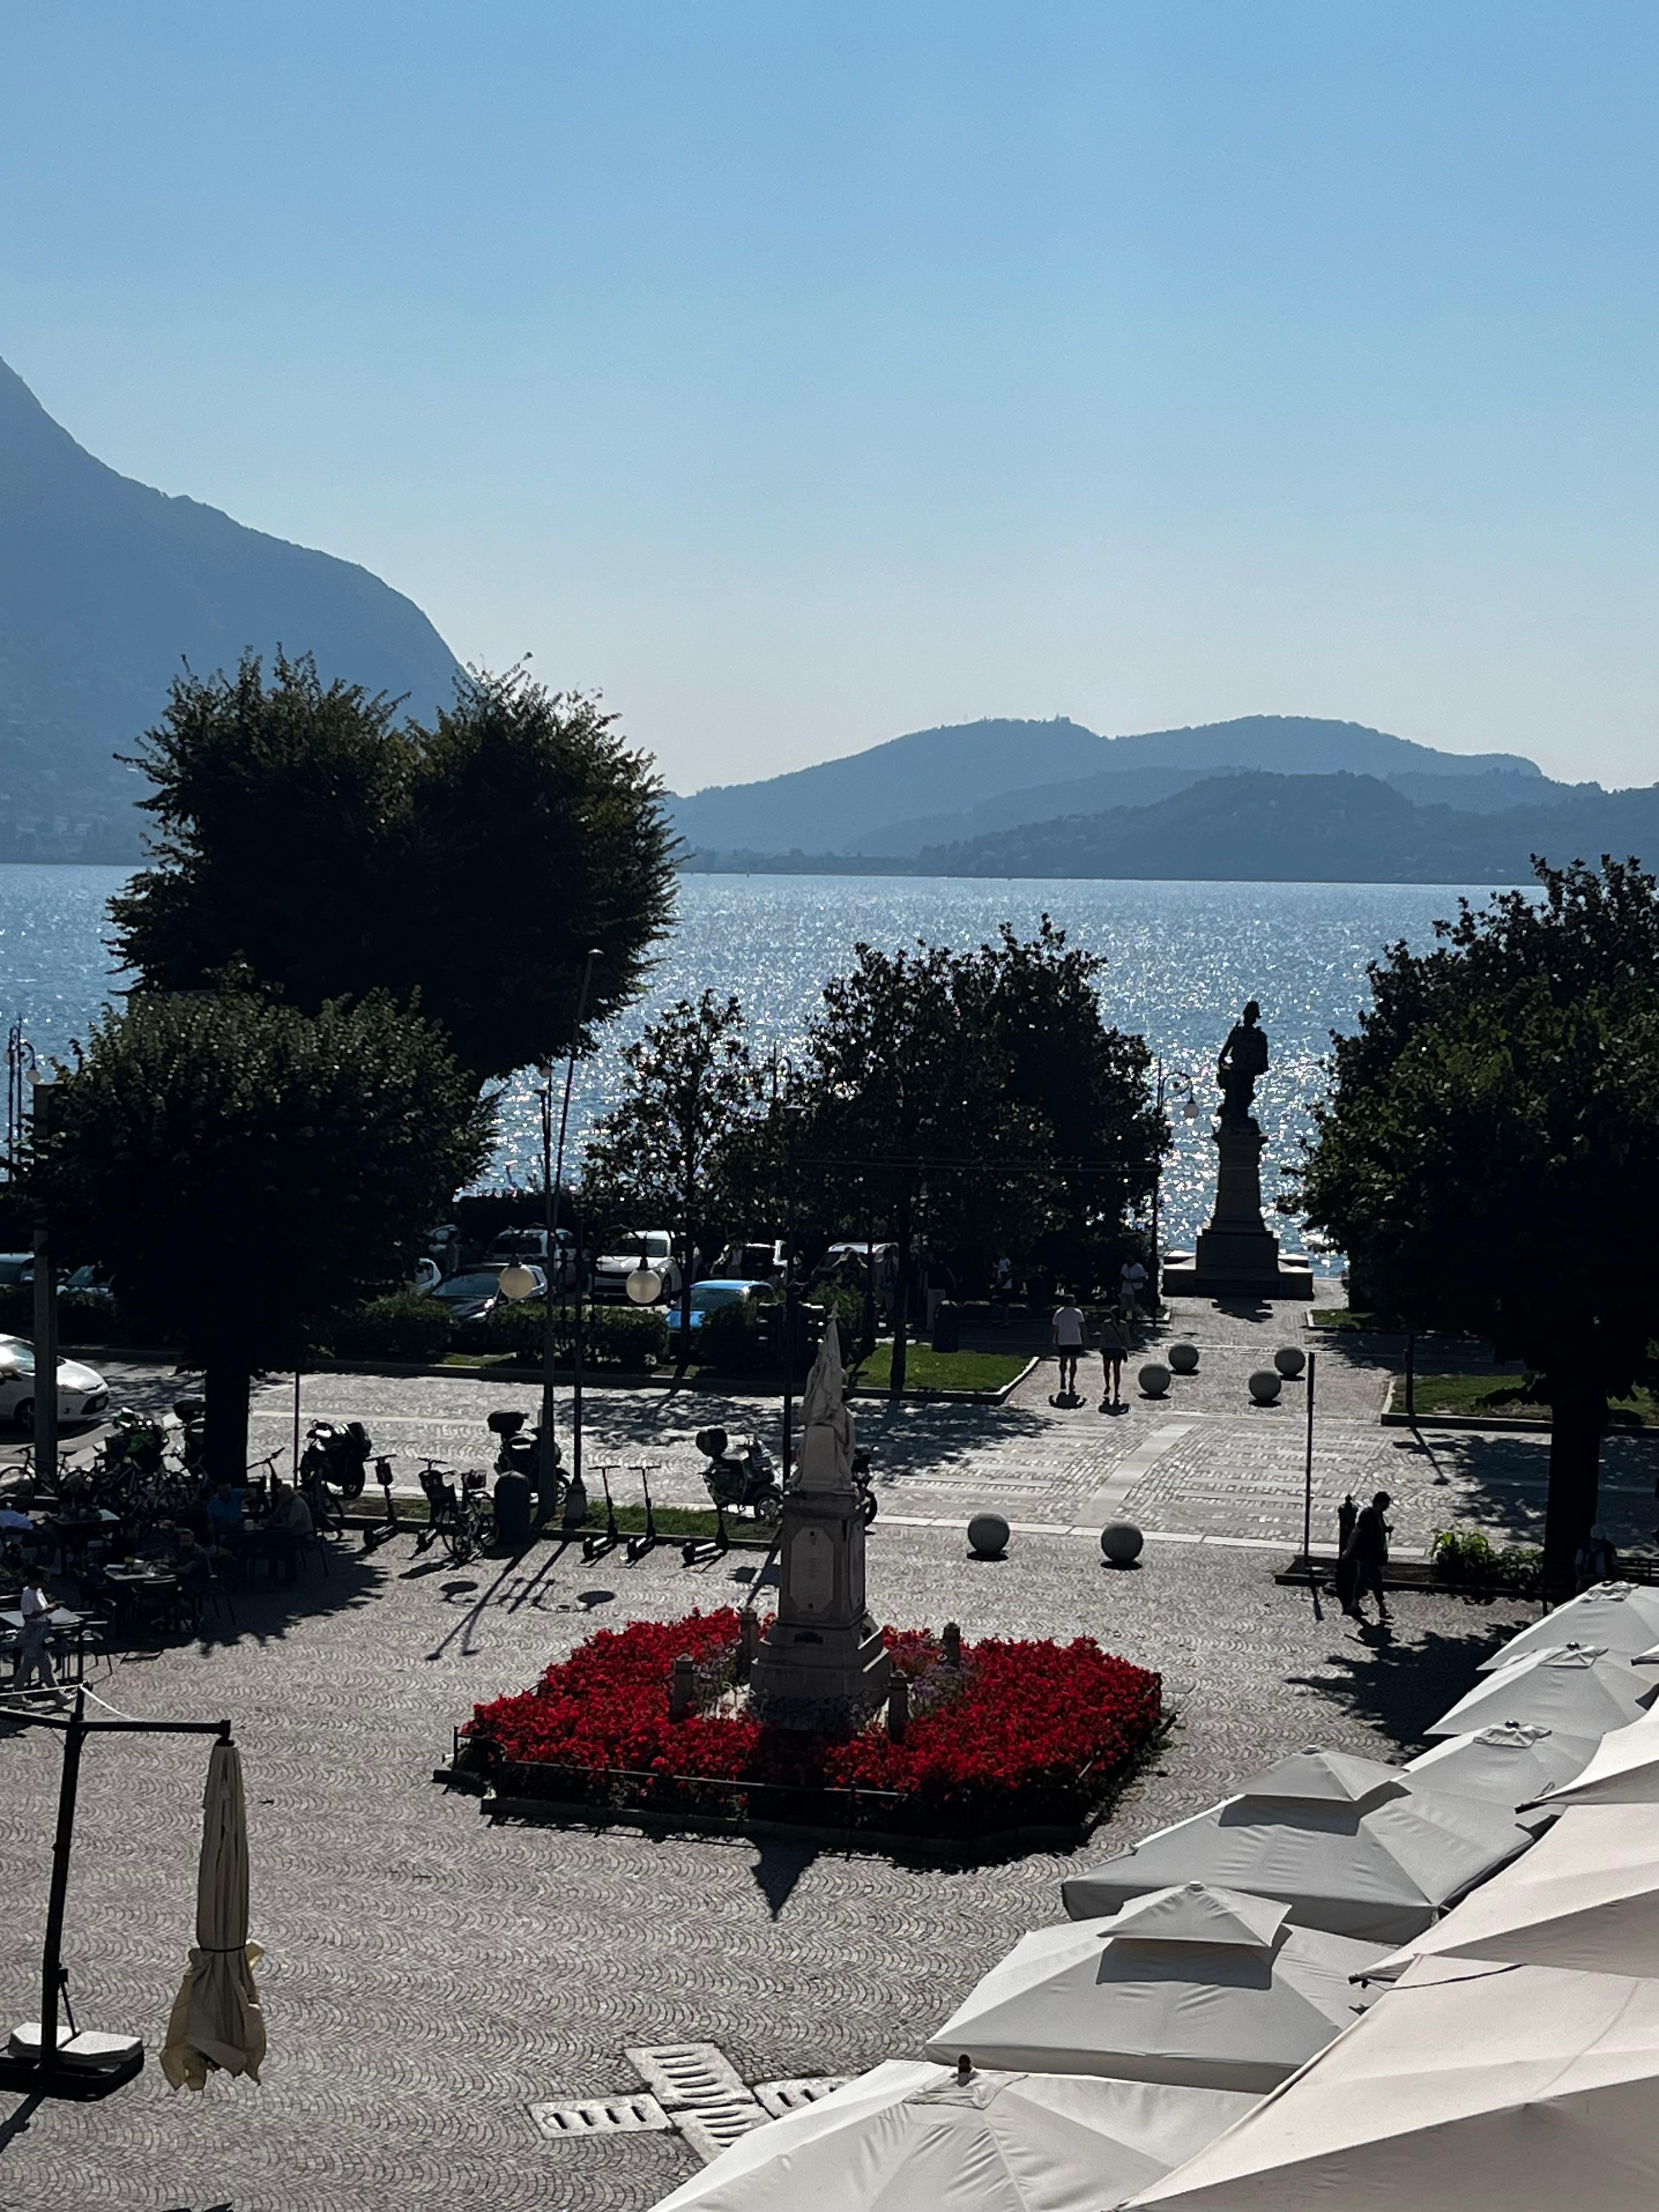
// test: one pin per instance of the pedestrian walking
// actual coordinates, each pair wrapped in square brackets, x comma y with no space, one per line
[1597,1560]
[33,1651]
[1068,1330]
[1365,1557]
[1002,1288]
[1115,1348]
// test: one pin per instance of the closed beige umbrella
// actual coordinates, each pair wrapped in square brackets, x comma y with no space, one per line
[216,2022]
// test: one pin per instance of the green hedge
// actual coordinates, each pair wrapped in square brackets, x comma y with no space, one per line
[405,1326]
[632,1338]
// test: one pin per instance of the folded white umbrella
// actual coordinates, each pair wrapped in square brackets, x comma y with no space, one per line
[1513,1763]
[1620,1617]
[1585,1896]
[1471,2087]
[912,2137]
[1348,1845]
[217,2023]
[1624,1770]
[1580,1688]
[1204,1986]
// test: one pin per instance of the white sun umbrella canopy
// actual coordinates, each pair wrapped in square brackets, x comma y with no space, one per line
[1471,2087]
[1624,1770]
[217,2023]
[1209,1987]
[1585,1896]
[1582,1689]
[1348,1845]
[1619,1617]
[1511,1763]
[908,2136]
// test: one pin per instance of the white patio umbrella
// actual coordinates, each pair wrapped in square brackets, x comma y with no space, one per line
[1210,1987]
[1623,1771]
[1580,1688]
[1348,1845]
[1621,1617]
[1585,1896]
[1471,2087]
[911,2137]
[1512,1763]
[216,2022]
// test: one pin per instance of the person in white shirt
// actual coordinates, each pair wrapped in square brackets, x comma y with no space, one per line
[33,1655]
[1131,1281]
[1069,1334]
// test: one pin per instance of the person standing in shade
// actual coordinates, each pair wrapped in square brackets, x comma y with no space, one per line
[33,1654]
[1131,1282]
[1367,1555]
[1115,1348]
[1068,1332]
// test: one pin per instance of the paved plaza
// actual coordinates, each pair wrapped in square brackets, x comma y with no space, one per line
[429,1976]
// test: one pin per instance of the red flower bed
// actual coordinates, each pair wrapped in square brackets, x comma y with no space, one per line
[1019,1733]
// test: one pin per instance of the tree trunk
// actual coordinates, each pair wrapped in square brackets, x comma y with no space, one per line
[226,1392]
[1579,1413]
[900,1302]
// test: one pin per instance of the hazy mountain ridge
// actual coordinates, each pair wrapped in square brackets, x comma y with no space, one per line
[106,586]
[1264,828]
[948,785]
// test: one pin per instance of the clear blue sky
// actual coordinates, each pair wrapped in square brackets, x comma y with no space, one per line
[802,375]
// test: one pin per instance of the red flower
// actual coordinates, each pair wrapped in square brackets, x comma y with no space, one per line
[1019,1732]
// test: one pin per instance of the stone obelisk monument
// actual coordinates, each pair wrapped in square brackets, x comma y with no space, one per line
[1238,1255]
[822,1663]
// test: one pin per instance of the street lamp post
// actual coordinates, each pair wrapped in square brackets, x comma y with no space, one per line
[1176,1082]
[522,1282]
[46,1314]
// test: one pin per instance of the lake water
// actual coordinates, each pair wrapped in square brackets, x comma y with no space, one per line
[1182,958]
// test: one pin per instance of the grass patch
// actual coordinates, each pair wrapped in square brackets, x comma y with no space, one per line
[1341,1317]
[926,1369]
[1475,1395]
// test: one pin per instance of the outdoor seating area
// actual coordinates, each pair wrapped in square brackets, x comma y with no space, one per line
[1248,1948]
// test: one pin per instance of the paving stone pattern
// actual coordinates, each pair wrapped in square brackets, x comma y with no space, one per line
[430,1977]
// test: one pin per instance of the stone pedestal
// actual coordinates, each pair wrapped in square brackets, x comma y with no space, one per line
[822,1663]
[1237,1255]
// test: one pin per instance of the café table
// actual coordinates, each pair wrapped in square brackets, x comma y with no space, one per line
[60,1619]
[145,1587]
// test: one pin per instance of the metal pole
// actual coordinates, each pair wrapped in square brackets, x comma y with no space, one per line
[1307,1482]
[1158,1188]
[45,1324]
[1410,1374]
[296,1429]
[51,1963]
[546,1469]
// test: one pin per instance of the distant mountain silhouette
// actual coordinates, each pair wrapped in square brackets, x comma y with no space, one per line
[1257,828]
[948,785]
[106,586]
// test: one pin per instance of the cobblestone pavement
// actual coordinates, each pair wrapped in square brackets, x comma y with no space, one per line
[429,1976]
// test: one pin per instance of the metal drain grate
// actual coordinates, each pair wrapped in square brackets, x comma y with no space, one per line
[777,2098]
[600,2116]
[702,2092]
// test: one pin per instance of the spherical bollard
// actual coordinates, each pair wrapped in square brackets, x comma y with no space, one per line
[988,1535]
[1290,1359]
[1121,1541]
[1265,1385]
[1154,1379]
[1184,1358]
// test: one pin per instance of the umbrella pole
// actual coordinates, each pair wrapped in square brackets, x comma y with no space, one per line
[1307,1491]
[51,1964]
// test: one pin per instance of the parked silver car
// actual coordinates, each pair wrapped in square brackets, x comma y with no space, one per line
[82,1393]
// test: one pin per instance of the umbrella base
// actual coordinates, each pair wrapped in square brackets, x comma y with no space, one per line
[85,2067]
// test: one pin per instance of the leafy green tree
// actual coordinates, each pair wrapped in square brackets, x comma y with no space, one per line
[1488,1156]
[247,1172]
[302,831]
[662,1153]
[976,1099]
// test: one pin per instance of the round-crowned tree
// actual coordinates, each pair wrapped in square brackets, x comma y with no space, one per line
[246,1171]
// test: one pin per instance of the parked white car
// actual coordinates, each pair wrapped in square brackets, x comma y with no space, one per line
[631,1249]
[82,1393]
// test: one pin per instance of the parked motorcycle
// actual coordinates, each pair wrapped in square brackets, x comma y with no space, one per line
[519,1451]
[336,1454]
[743,1480]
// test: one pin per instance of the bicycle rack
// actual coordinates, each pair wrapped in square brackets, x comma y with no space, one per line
[648,1540]
[596,1546]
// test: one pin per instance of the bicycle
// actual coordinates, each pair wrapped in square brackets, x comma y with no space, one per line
[463,1519]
